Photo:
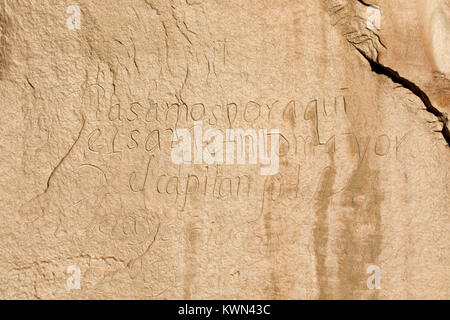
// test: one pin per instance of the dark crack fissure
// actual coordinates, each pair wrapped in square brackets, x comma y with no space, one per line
[364,3]
[411,86]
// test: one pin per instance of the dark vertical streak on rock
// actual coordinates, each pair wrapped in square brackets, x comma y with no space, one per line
[321,229]
[273,290]
[190,259]
[361,235]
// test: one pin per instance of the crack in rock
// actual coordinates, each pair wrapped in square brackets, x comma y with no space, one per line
[370,53]
[415,89]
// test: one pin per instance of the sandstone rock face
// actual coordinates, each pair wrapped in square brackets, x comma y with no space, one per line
[96,93]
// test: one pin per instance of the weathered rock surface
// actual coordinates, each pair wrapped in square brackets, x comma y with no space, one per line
[87,178]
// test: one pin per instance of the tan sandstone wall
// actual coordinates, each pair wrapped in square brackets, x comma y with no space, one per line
[87,179]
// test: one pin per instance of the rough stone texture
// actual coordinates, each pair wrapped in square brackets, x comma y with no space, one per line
[364,167]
